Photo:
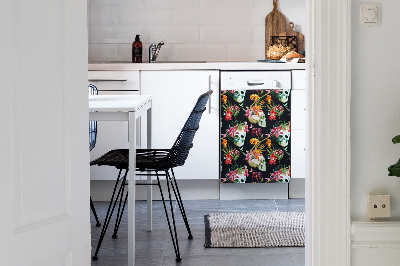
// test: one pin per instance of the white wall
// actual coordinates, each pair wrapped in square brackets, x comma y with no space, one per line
[375,120]
[193,30]
[375,108]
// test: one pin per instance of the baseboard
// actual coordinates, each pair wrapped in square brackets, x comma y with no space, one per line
[101,190]
[297,188]
[375,242]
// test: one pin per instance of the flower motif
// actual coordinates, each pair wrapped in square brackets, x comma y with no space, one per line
[254,141]
[224,98]
[228,159]
[228,115]
[272,159]
[254,97]
[269,99]
[256,131]
[224,143]
[257,176]
[268,143]
[272,115]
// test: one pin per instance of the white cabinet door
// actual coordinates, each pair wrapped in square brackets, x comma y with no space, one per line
[174,96]
[112,134]
[44,174]
[298,124]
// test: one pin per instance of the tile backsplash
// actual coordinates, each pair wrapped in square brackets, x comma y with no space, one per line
[192,30]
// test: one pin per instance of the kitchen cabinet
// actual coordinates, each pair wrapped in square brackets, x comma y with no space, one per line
[298,124]
[112,134]
[174,96]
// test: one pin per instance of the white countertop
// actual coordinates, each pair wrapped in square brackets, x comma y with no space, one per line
[196,66]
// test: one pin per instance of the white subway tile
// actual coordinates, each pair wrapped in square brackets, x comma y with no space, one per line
[115,34]
[173,34]
[240,4]
[119,3]
[125,52]
[199,16]
[246,17]
[246,53]
[226,3]
[214,3]
[293,10]
[145,17]
[266,5]
[199,52]
[172,3]
[224,34]
[88,16]
[105,16]
[89,52]
[104,52]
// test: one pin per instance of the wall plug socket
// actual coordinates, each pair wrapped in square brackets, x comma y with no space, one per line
[378,206]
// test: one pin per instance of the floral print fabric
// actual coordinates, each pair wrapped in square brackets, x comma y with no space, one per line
[255,136]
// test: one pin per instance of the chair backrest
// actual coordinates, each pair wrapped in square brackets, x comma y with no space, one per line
[180,150]
[92,124]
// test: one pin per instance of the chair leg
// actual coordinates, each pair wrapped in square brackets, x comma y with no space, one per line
[180,203]
[120,211]
[109,212]
[174,239]
[94,213]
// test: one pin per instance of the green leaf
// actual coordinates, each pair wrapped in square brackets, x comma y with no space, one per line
[396,139]
[394,170]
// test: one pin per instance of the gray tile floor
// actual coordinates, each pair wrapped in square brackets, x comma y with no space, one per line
[155,248]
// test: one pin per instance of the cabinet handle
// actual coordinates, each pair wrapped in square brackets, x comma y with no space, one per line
[209,99]
[254,83]
[99,80]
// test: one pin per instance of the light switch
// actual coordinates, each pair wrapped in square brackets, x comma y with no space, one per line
[369,14]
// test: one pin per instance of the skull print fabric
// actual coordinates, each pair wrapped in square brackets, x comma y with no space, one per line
[255,136]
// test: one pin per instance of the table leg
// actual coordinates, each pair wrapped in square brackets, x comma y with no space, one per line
[132,190]
[149,178]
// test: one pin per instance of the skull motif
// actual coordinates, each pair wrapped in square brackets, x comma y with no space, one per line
[240,135]
[283,95]
[239,96]
[285,177]
[262,122]
[262,166]
[241,178]
[284,137]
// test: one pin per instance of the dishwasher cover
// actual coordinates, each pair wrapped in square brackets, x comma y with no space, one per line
[255,136]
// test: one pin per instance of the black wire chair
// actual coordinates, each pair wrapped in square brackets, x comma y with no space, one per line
[92,143]
[149,161]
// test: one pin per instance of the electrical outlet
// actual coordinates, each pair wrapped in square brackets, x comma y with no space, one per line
[378,206]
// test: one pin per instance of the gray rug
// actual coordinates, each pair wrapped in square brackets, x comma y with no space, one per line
[271,229]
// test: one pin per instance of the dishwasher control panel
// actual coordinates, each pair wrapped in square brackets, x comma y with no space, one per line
[255,80]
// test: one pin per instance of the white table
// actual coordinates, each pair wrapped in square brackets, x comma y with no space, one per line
[127,108]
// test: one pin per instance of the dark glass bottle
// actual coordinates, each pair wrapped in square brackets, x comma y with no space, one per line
[137,50]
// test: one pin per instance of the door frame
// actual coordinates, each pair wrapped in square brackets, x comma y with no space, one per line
[328,46]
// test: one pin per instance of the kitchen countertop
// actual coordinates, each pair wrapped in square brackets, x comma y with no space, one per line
[195,66]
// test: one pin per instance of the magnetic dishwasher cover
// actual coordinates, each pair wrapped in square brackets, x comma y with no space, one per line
[255,126]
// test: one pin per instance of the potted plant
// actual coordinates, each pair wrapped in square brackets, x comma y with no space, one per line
[394,170]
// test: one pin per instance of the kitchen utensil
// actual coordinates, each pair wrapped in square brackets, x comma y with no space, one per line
[292,32]
[275,23]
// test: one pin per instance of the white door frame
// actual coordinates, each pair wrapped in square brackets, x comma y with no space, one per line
[328,141]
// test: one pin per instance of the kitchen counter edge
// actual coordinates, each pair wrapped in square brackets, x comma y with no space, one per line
[195,66]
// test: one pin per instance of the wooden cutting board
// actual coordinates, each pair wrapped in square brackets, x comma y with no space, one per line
[299,36]
[275,23]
